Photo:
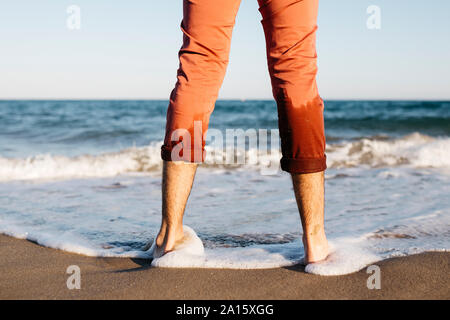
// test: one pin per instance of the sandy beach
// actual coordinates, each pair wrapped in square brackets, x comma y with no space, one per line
[30,271]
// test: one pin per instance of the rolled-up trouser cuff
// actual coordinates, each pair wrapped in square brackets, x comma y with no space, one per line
[166,153]
[304,165]
[192,155]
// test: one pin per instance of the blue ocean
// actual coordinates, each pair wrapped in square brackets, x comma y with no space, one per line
[84,177]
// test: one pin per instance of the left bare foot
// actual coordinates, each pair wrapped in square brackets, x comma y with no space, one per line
[165,242]
[316,247]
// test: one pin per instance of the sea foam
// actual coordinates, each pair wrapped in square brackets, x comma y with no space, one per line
[345,256]
[414,150]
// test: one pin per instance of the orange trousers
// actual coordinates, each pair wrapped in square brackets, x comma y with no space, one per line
[290,31]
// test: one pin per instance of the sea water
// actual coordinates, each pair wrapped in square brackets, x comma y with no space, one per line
[85,177]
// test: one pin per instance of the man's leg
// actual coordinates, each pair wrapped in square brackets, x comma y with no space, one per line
[309,193]
[177,181]
[207,29]
[290,30]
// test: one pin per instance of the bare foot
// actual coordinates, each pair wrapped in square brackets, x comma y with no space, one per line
[316,247]
[166,241]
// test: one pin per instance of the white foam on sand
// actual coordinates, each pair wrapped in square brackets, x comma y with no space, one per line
[184,253]
[66,241]
[191,254]
[346,256]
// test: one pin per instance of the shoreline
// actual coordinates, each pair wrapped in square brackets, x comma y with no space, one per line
[30,271]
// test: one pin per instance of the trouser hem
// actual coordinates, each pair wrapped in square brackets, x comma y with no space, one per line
[192,155]
[303,165]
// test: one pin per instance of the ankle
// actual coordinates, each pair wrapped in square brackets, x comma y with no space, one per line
[314,234]
[176,230]
[169,234]
[315,246]
[160,239]
[316,242]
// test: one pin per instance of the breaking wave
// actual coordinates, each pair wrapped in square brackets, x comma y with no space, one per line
[414,150]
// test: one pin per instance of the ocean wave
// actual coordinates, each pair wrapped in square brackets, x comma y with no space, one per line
[414,150]
[47,166]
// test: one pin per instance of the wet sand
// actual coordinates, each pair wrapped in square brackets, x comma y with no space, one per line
[30,271]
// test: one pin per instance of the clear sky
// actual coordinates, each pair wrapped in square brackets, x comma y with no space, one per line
[128,49]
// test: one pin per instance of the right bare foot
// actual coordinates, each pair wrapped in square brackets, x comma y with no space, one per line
[316,247]
[167,240]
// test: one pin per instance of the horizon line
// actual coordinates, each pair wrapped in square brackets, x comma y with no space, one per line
[222,99]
